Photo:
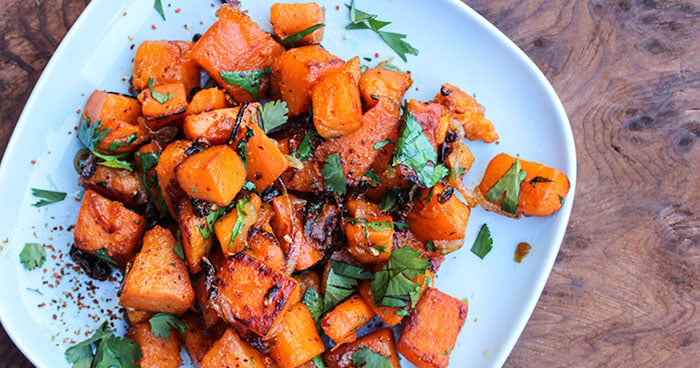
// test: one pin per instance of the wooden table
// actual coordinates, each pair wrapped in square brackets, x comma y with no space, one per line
[624,289]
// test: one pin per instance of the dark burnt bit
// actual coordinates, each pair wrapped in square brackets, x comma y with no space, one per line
[197,146]
[445,91]
[87,167]
[271,295]
[152,215]
[194,91]
[237,125]
[200,207]
[209,272]
[93,266]
[269,193]
[444,150]
[451,137]
[446,194]
[196,37]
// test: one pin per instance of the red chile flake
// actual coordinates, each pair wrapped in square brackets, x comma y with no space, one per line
[337,7]
[153,26]
[177,10]
[33,162]
[376,55]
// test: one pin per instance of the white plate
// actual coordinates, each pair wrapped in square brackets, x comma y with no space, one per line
[456,46]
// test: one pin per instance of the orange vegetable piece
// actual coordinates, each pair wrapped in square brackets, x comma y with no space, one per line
[289,228]
[287,19]
[224,227]
[172,155]
[216,174]
[235,43]
[337,108]
[431,330]
[231,351]
[432,220]
[206,100]
[197,339]
[380,82]
[367,244]
[253,294]
[380,342]
[297,70]
[345,319]
[310,280]
[354,68]
[389,314]
[157,352]
[192,228]
[541,199]
[428,116]
[135,316]
[265,247]
[463,110]
[108,225]
[160,114]
[119,114]
[298,341]
[265,162]
[158,280]
[117,184]
[216,125]
[165,62]
[459,160]
[362,208]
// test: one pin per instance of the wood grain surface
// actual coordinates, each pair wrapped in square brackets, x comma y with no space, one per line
[624,289]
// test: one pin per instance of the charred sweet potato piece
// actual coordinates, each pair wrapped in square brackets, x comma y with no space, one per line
[345,319]
[265,162]
[359,207]
[234,44]
[459,161]
[287,19]
[440,216]
[158,280]
[216,125]
[207,100]
[391,178]
[538,197]
[231,351]
[265,247]
[431,330]
[464,111]
[371,238]
[159,114]
[172,155]
[197,339]
[382,82]
[297,70]
[289,228]
[157,352]
[107,226]
[253,294]
[165,62]
[195,234]
[336,104]
[224,227]
[210,317]
[380,342]
[119,114]
[117,184]
[298,341]
[216,175]
[135,316]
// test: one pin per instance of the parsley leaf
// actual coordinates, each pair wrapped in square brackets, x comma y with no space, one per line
[483,243]
[382,144]
[507,188]
[149,160]
[333,176]
[373,177]
[313,301]
[366,358]
[413,150]
[158,6]
[392,286]
[241,215]
[161,98]
[162,323]
[33,255]
[430,246]
[123,142]
[539,179]
[273,115]
[298,36]
[91,134]
[363,20]
[389,201]
[104,255]
[370,225]
[341,282]
[249,80]
[305,150]
[103,349]
[47,197]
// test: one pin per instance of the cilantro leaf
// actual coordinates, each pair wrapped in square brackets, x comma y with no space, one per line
[104,255]
[483,243]
[389,201]
[305,150]
[162,323]
[366,358]
[413,150]
[363,20]
[507,188]
[333,176]
[249,186]
[104,350]
[33,255]
[161,98]
[539,179]
[47,197]
[249,80]
[91,134]
[373,177]
[149,160]
[401,225]
[341,282]
[430,246]
[373,225]
[298,36]
[241,215]
[313,301]
[123,142]
[392,286]
[158,6]
[273,115]
[380,145]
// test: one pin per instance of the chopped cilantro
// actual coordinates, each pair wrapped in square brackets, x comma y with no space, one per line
[241,215]
[392,285]
[507,188]
[366,358]
[312,299]
[103,349]
[158,6]
[373,177]
[104,255]
[363,20]
[382,144]
[402,313]
[178,247]
[389,201]
[430,246]
[273,115]
[333,176]
[249,186]
[341,282]
[539,179]
[47,197]
[249,80]
[413,150]
[123,142]
[370,225]
[483,243]
[161,98]
[33,255]
[298,36]
[401,225]
[91,134]
[305,150]
[162,323]
[318,362]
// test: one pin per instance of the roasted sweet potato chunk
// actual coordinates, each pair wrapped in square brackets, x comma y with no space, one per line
[235,44]
[542,192]
[383,82]
[160,112]
[197,339]
[464,111]
[428,116]
[253,294]
[207,100]
[158,280]
[231,351]
[195,234]
[370,239]
[165,62]
[265,247]
[117,184]
[289,228]
[216,175]
[265,162]
[107,226]
[296,71]
[172,155]
[380,342]
[135,316]
[337,108]
[119,114]
[298,341]
[157,352]
[216,125]
[440,216]
[345,319]
[224,227]
[287,19]
[431,330]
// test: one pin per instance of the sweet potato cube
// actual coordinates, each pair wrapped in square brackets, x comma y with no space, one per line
[157,352]
[436,218]
[105,225]
[197,340]
[116,184]
[265,162]
[225,225]
[119,114]
[207,100]
[216,175]
[380,342]
[135,316]
[432,328]
[235,43]
[158,280]
[382,82]
[265,247]
[159,114]
[165,62]
[463,110]
[172,155]
[359,207]
[336,105]
[345,319]
[287,19]
[216,125]
[231,351]
[289,229]
[371,238]
[298,341]
[253,294]
[195,233]
[538,197]
[297,70]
